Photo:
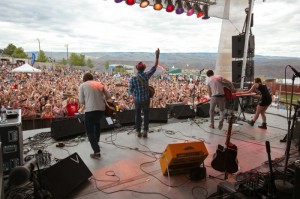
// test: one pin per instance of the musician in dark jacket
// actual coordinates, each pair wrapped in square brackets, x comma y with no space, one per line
[263,104]
[139,88]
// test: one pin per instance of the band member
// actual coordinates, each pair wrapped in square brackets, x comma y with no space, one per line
[216,93]
[138,87]
[263,104]
[92,95]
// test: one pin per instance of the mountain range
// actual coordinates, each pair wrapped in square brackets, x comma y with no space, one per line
[269,66]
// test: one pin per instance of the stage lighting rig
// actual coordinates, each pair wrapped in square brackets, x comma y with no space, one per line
[190,7]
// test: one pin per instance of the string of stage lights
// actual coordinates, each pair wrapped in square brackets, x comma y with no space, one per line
[190,7]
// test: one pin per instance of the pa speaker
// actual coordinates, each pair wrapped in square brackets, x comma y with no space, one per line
[64,176]
[158,115]
[126,117]
[203,110]
[67,127]
[182,157]
[238,43]
[237,67]
[183,111]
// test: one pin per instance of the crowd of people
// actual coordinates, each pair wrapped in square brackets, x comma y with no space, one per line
[54,92]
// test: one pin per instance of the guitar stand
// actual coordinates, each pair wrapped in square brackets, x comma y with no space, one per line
[223,179]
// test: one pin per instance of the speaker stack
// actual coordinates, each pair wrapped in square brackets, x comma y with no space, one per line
[238,44]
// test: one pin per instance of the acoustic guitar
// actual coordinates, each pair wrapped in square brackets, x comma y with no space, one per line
[225,158]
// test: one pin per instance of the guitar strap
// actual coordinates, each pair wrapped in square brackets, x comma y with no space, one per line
[142,82]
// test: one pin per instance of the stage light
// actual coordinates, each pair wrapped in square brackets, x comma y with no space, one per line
[205,12]
[170,7]
[130,2]
[157,5]
[189,9]
[118,1]
[179,9]
[144,3]
[198,10]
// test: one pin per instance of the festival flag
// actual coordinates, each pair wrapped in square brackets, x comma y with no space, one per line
[161,67]
[32,59]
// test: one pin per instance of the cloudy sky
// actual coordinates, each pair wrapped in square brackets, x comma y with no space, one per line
[104,26]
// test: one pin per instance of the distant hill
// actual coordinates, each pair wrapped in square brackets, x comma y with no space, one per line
[269,66]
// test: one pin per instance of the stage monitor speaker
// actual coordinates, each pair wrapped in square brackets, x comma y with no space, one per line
[183,111]
[158,115]
[171,106]
[180,158]
[63,177]
[106,123]
[238,43]
[237,67]
[203,110]
[66,127]
[126,117]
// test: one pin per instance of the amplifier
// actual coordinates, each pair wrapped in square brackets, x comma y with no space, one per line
[182,157]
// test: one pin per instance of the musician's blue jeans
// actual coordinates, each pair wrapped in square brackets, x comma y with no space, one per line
[92,127]
[214,101]
[139,106]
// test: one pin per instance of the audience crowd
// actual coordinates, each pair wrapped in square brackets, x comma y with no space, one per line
[54,92]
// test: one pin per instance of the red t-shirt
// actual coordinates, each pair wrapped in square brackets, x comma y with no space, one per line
[72,108]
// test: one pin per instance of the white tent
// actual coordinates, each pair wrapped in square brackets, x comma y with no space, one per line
[26,68]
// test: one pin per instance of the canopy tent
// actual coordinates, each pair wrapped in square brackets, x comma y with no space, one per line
[26,68]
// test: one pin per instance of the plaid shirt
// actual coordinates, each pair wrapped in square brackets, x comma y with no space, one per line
[140,90]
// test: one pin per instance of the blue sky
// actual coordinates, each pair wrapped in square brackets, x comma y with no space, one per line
[104,26]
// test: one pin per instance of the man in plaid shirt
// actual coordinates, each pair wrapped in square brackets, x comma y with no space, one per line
[138,87]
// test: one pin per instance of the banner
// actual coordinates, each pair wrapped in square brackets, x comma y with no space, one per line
[32,59]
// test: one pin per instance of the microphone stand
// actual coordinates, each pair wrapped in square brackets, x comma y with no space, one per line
[283,185]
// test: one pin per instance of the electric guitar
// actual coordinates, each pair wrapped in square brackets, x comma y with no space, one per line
[224,159]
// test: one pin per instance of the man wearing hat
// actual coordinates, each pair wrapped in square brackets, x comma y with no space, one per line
[139,88]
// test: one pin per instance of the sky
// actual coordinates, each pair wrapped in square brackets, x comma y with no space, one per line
[105,26]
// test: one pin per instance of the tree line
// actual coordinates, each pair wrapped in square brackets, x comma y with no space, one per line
[74,60]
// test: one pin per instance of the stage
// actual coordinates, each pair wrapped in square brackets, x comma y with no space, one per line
[130,166]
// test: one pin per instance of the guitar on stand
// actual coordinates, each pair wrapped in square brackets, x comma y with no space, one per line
[225,158]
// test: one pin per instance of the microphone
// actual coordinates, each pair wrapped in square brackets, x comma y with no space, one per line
[295,71]
[21,174]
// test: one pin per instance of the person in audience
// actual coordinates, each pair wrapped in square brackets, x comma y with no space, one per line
[263,104]
[138,87]
[92,94]
[47,112]
[58,110]
[72,107]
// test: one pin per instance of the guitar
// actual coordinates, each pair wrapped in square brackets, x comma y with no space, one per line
[228,93]
[224,159]
[109,108]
